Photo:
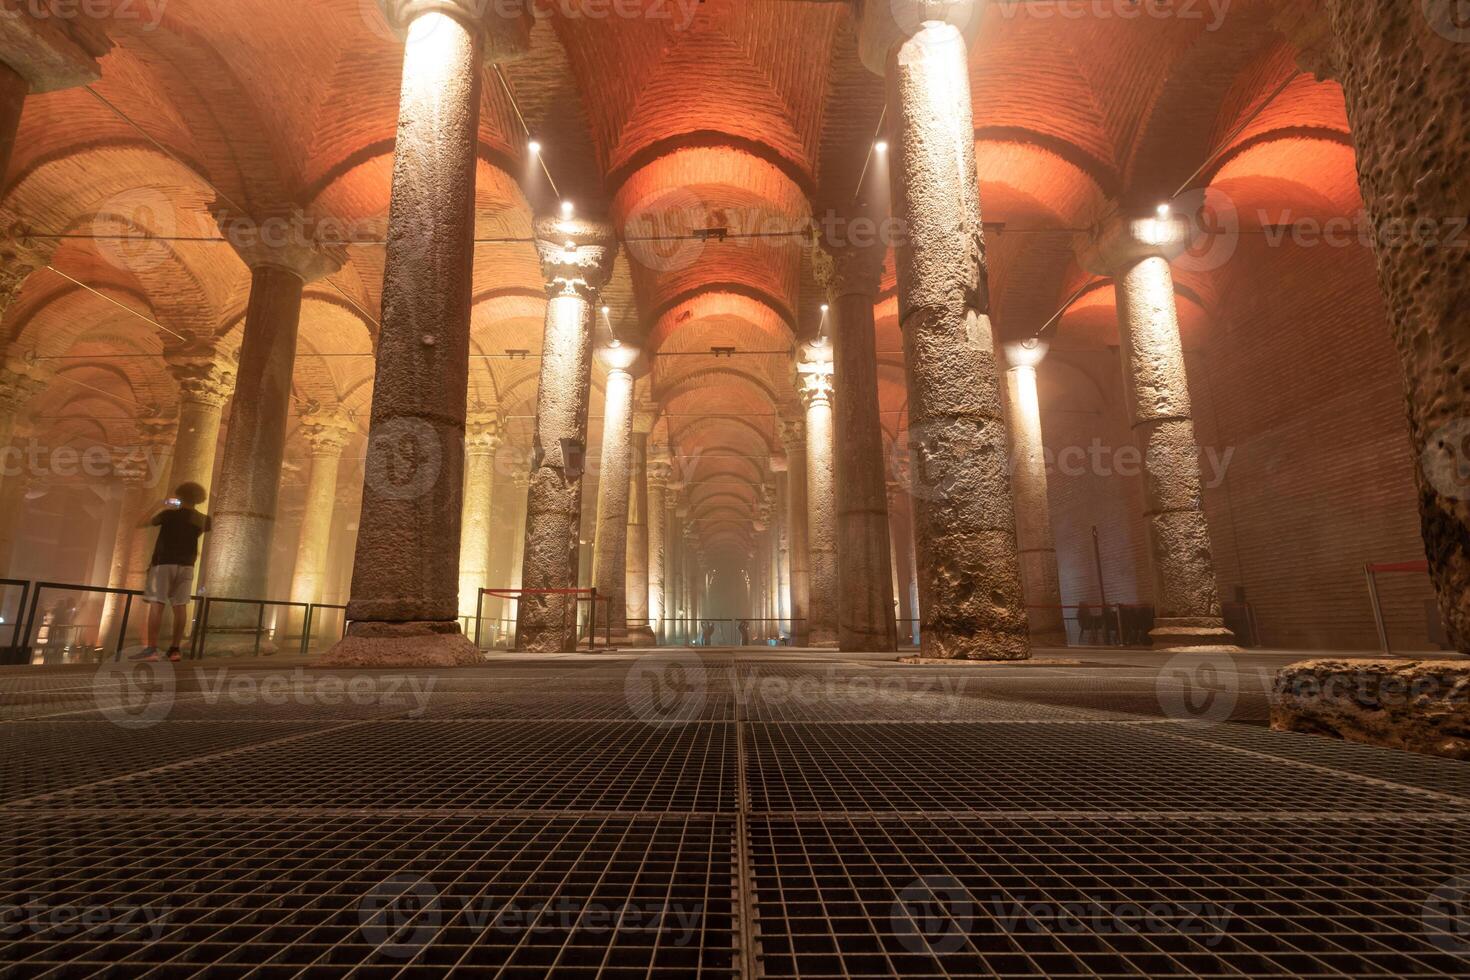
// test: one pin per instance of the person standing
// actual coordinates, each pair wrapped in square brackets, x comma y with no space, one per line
[171,571]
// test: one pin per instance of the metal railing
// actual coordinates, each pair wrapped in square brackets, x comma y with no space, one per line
[11,649]
[587,630]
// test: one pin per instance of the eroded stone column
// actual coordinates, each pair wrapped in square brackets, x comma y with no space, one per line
[1405,75]
[814,384]
[405,580]
[18,385]
[658,558]
[237,563]
[640,625]
[969,574]
[781,517]
[1038,550]
[576,258]
[903,564]
[326,435]
[793,436]
[506,501]
[865,583]
[1186,598]
[481,441]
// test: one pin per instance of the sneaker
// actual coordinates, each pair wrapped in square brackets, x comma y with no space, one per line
[174,655]
[145,655]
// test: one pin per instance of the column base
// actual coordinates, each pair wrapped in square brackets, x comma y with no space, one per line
[1185,634]
[953,646]
[640,636]
[433,644]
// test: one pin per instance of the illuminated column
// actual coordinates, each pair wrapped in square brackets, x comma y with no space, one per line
[1405,76]
[1186,597]
[237,563]
[613,485]
[658,546]
[793,435]
[405,579]
[782,518]
[1038,550]
[814,384]
[141,497]
[903,562]
[576,259]
[18,385]
[865,581]
[327,435]
[481,440]
[505,503]
[205,379]
[640,631]
[964,526]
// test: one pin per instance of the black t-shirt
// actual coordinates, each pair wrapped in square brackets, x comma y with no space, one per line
[178,536]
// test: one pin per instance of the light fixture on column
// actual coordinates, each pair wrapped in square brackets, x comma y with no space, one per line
[1162,211]
[567,209]
[534,147]
[881,146]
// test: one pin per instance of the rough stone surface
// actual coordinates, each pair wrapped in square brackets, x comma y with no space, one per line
[1186,596]
[482,439]
[206,379]
[793,435]
[407,563]
[327,436]
[13,90]
[433,644]
[1405,74]
[547,622]
[614,482]
[964,526]
[635,594]
[658,545]
[1418,705]
[865,615]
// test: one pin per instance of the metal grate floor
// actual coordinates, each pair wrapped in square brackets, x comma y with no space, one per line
[713,815]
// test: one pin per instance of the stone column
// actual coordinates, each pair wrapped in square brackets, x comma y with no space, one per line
[405,580]
[969,573]
[576,259]
[237,564]
[1405,76]
[658,558]
[1038,550]
[481,441]
[1135,251]
[865,583]
[205,378]
[903,563]
[327,435]
[505,503]
[780,468]
[613,486]
[18,385]
[793,435]
[639,623]
[814,383]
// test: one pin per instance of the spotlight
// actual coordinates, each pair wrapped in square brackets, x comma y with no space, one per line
[534,147]
[615,343]
[566,209]
[1162,211]
[824,307]
[881,146]
[606,310]
[570,246]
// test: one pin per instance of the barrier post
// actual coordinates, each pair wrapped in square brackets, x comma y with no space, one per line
[1377,609]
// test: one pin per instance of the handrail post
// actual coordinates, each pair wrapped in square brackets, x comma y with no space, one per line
[479,606]
[306,630]
[1377,609]
[122,629]
[259,627]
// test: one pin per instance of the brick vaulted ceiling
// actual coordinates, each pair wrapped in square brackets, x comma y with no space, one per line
[751,115]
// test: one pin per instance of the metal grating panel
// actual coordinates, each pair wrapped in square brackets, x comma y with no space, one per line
[230,894]
[847,898]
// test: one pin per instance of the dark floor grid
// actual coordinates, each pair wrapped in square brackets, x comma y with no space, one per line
[581,704]
[859,703]
[374,896]
[46,756]
[1393,765]
[628,766]
[1141,897]
[1038,767]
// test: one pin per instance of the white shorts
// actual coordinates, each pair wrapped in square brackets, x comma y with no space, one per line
[171,585]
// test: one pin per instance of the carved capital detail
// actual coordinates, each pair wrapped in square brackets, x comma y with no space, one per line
[284,238]
[326,432]
[576,255]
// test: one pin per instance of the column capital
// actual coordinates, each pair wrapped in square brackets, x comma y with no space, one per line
[660,473]
[779,462]
[482,432]
[576,255]
[1306,26]
[20,253]
[19,383]
[793,435]
[506,28]
[846,269]
[283,238]
[51,53]
[1125,239]
[204,373]
[326,432]
[884,24]
[814,381]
